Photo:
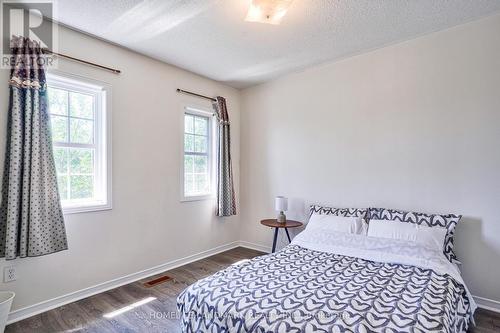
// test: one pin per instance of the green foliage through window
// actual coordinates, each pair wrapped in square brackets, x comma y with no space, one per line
[72,119]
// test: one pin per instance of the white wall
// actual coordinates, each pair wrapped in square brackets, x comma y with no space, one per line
[148,225]
[414,126]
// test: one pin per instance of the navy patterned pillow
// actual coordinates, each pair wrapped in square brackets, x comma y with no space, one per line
[346,212]
[448,221]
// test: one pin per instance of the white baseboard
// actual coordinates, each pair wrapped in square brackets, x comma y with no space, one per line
[102,287]
[488,304]
[255,246]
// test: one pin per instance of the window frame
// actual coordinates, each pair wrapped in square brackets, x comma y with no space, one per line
[102,138]
[199,111]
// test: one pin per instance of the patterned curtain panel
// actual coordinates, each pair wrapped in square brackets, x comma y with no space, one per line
[226,203]
[31,219]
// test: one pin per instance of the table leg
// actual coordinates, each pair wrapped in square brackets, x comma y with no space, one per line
[288,235]
[275,239]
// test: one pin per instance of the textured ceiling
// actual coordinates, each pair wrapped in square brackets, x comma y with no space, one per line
[211,38]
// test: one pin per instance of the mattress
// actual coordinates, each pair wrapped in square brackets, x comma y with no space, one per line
[332,282]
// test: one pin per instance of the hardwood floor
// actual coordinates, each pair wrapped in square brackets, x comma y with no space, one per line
[486,322]
[156,310]
[157,315]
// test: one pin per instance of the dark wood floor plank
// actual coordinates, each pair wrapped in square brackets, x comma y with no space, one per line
[486,322]
[160,314]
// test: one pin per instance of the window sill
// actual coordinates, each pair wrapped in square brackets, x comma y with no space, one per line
[86,209]
[198,198]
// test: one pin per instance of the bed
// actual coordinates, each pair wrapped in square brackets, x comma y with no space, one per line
[328,281]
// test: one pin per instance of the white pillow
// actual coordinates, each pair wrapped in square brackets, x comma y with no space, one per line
[432,237]
[351,225]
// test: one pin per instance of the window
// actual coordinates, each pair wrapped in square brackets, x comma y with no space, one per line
[198,151]
[79,111]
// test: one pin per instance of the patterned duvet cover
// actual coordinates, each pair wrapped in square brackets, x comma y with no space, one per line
[332,283]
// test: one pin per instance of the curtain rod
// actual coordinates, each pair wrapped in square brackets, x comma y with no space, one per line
[195,94]
[114,70]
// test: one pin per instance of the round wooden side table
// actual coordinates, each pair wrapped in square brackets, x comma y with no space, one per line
[273,223]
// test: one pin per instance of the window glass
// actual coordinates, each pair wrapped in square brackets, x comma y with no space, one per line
[197,155]
[79,150]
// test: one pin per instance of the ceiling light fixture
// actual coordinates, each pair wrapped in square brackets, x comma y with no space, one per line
[267,11]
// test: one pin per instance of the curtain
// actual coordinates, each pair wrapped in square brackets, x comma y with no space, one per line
[226,203]
[31,219]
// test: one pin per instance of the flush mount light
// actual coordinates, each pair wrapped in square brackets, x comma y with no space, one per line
[267,11]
